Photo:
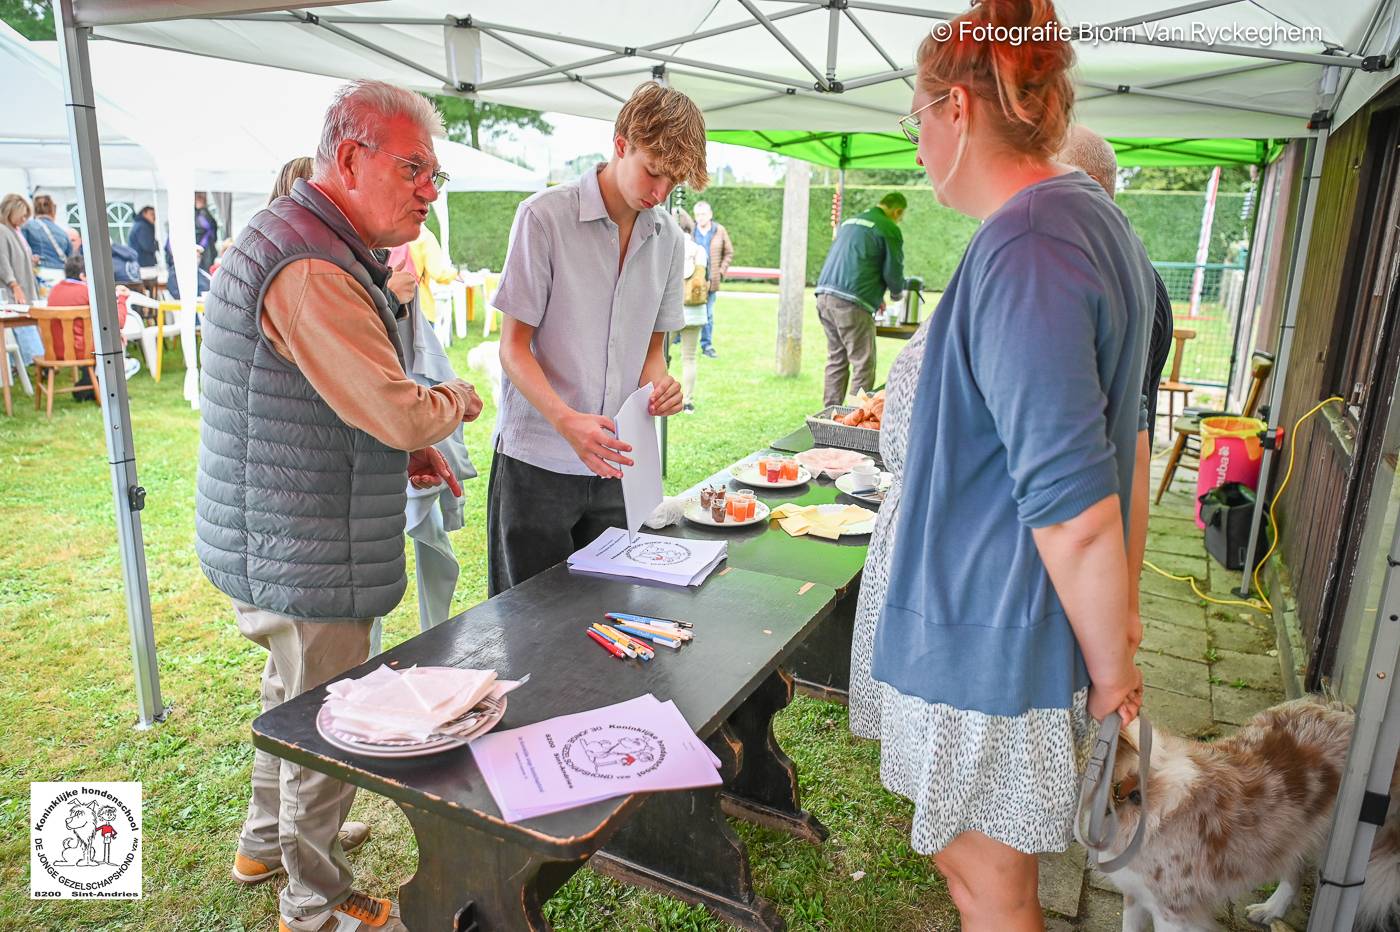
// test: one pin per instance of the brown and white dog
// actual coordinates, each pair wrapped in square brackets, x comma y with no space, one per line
[1226,816]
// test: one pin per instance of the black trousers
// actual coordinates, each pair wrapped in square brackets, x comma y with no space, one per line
[535,518]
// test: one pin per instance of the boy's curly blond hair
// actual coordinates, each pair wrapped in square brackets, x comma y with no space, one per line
[669,126]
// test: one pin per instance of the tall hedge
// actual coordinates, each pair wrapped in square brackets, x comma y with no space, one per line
[934,237]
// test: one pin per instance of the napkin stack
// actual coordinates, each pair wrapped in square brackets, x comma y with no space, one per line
[799,520]
[388,704]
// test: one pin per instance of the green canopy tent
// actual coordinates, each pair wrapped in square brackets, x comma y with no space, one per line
[893,150]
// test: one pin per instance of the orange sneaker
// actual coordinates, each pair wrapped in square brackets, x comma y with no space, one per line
[359,913]
[248,871]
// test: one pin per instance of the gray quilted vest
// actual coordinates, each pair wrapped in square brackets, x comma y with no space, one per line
[297,512]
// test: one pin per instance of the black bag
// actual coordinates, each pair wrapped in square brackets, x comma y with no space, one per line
[1227,511]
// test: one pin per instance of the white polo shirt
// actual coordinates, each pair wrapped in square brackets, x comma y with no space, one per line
[593,325]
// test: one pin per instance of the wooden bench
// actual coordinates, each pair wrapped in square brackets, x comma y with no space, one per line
[478,872]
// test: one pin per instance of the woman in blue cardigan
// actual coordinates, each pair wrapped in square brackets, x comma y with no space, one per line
[1005,623]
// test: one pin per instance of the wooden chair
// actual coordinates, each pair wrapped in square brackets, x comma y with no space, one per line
[60,354]
[1173,386]
[1188,426]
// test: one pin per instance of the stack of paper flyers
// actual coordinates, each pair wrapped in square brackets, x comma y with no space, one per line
[642,745]
[647,556]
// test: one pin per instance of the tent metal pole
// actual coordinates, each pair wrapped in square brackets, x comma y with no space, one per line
[883,77]
[833,29]
[1203,76]
[349,36]
[516,80]
[1302,237]
[127,494]
[1306,58]
[1195,101]
[860,27]
[907,11]
[541,59]
[1158,15]
[641,53]
[786,43]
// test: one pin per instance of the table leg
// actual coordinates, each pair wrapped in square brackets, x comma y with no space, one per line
[765,789]
[821,665]
[680,844]
[468,881]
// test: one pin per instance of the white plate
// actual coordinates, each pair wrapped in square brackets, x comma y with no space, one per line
[852,457]
[325,725]
[699,515]
[846,483]
[749,475]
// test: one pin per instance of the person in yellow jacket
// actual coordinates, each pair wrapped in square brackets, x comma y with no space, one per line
[432,266]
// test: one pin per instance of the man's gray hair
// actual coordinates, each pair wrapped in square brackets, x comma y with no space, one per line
[360,109]
[1089,152]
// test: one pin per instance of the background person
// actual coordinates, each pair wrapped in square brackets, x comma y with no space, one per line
[73,292]
[143,239]
[866,257]
[718,248]
[1007,625]
[17,271]
[47,240]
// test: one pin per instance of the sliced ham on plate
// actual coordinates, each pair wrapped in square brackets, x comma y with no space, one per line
[831,461]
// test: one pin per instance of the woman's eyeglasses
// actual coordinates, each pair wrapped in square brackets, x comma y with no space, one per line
[910,124]
[421,171]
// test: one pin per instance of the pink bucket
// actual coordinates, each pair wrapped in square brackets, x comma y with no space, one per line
[1231,451]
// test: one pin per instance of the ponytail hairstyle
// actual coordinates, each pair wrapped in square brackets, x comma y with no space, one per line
[1026,82]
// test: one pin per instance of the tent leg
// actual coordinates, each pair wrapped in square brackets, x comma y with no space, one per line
[1312,178]
[127,494]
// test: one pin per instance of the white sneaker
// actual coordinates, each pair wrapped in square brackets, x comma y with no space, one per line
[133,366]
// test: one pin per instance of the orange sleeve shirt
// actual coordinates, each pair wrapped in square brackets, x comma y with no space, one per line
[322,321]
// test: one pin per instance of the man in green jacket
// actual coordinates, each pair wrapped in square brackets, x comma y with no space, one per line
[866,257]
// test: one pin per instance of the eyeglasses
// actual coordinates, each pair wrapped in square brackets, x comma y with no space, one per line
[421,172]
[910,124]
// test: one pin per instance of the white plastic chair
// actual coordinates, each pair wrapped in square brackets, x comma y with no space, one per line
[12,351]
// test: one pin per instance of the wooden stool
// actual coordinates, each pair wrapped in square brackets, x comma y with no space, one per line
[1188,426]
[60,353]
[1173,386]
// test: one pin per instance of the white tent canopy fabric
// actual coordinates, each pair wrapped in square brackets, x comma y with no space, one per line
[1192,70]
[180,123]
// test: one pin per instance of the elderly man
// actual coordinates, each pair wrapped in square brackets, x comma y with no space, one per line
[310,433]
[1090,153]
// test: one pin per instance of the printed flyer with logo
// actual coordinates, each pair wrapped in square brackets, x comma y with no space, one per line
[85,841]
[638,746]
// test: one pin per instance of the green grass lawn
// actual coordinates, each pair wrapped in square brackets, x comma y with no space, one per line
[69,703]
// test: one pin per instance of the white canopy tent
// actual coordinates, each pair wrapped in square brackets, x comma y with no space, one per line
[230,141]
[1167,70]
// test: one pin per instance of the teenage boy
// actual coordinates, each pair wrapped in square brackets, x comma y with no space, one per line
[591,286]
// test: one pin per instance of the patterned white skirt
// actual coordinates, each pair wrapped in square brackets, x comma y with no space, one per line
[1013,778]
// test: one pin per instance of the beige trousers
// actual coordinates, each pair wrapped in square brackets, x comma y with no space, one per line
[690,342]
[295,813]
[850,347]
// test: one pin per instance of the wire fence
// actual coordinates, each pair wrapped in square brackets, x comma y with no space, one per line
[1214,318]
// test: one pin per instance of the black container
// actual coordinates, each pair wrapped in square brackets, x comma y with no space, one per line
[1227,511]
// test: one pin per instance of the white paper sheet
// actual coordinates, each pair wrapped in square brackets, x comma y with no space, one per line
[641,745]
[680,562]
[641,482]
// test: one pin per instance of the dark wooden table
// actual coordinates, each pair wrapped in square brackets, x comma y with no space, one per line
[476,871]
[822,663]
[897,331]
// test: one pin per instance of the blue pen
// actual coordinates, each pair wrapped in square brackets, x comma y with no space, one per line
[649,635]
[647,619]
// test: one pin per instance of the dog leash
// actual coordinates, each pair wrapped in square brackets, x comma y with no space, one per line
[1097,832]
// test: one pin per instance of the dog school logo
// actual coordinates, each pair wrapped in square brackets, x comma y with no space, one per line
[85,841]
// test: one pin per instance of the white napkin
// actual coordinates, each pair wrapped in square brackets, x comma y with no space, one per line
[412,703]
[670,511]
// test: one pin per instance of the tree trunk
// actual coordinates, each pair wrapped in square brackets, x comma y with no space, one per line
[793,267]
[474,121]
